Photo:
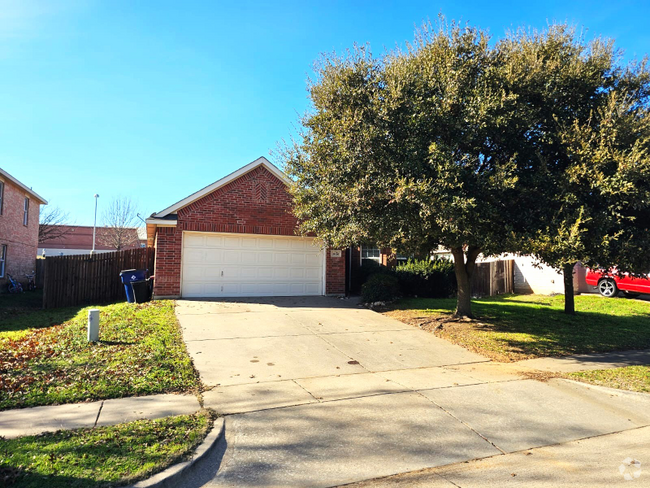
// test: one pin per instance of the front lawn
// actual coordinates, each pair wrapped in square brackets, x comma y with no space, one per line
[141,353]
[634,378]
[516,327]
[102,456]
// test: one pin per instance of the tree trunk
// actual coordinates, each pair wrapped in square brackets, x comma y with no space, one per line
[464,269]
[569,301]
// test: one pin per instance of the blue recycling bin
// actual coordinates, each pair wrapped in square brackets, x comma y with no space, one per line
[130,276]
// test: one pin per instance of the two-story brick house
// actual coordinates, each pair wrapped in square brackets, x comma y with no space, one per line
[19,213]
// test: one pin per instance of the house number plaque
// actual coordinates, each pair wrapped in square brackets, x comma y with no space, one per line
[335,253]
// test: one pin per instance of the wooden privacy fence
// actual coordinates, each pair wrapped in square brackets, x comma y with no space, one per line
[86,279]
[493,278]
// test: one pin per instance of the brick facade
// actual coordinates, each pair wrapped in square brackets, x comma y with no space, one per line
[21,240]
[255,203]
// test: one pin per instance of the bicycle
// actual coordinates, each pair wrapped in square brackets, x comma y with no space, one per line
[13,286]
[31,281]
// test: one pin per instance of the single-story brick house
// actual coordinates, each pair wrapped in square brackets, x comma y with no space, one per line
[19,214]
[237,237]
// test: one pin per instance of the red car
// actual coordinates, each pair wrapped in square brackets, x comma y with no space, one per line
[609,284]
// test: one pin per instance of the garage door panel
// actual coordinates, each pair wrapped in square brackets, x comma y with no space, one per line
[194,256]
[217,265]
[213,256]
[193,273]
[193,240]
[265,257]
[212,241]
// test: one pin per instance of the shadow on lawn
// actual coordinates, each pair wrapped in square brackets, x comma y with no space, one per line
[513,327]
[24,311]
[550,332]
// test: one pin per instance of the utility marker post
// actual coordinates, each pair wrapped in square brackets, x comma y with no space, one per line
[93,325]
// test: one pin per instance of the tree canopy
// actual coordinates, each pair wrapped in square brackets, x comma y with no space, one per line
[452,141]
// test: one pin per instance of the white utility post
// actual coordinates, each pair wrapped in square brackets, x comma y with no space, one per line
[93,325]
[94,224]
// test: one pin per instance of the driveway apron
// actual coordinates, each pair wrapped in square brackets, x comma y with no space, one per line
[320,392]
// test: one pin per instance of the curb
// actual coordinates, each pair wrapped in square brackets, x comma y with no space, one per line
[173,473]
[610,391]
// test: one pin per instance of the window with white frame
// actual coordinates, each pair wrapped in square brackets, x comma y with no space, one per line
[2,194]
[370,252]
[26,214]
[3,259]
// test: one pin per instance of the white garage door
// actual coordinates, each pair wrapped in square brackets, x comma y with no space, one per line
[231,265]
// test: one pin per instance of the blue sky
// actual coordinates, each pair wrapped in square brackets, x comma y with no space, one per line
[157,99]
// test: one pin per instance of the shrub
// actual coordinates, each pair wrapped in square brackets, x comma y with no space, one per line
[365,271]
[380,287]
[427,278]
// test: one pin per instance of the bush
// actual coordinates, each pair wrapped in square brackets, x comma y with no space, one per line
[365,271]
[427,278]
[380,287]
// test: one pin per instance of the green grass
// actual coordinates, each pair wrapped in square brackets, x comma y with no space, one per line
[634,378]
[102,456]
[141,353]
[515,327]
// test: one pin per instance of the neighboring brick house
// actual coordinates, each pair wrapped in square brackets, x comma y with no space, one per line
[66,240]
[237,237]
[19,213]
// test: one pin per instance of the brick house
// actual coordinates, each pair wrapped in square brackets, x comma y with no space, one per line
[237,237]
[66,240]
[19,214]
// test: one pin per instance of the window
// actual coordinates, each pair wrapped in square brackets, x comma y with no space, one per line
[3,259]
[26,214]
[371,252]
[2,193]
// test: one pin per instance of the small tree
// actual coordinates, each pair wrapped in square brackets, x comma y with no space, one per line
[53,224]
[120,221]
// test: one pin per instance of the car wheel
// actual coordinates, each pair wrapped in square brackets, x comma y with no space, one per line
[607,288]
[631,294]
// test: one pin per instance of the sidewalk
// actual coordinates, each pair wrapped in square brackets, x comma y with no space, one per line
[32,421]
[597,462]
[584,362]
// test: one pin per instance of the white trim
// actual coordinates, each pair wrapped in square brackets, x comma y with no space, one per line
[324,284]
[36,196]
[262,161]
[161,222]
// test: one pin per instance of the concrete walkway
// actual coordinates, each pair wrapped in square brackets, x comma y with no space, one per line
[599,462]
[32,421]
[321,393]
[584,362]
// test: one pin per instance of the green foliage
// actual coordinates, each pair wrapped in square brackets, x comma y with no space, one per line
[589,126]
[101,456]
[380,287]
[427,278]
[141,352]
[538,143]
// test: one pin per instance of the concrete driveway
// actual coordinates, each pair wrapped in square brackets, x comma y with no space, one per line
[320,392]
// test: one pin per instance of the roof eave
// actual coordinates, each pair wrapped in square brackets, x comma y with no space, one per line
[261,161]
[35,195]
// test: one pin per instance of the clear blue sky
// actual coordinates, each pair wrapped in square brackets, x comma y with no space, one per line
[155,99]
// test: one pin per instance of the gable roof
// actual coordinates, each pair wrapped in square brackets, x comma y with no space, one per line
[261,161]
[31,192]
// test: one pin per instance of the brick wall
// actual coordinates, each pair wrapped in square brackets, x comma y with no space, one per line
[255,203]
[334,274]
[21,241]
